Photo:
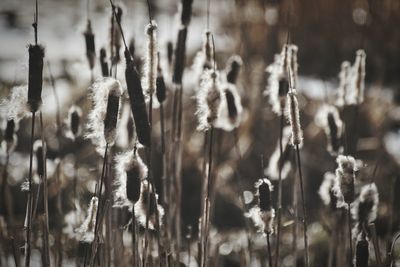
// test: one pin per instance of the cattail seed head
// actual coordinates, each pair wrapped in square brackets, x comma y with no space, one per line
[344,78]
[86,230]
[141,210]
[115,34]
[358,78]
[231,109]
[186,12]
[293,115]
[180,56]
[233,67]
[15,107]
[170,53]
[130,171]
[362,253]
[105,94]
[345,175]
[263,214]
[137,101]
[39,152]
[150,73]
[74,122]
[132,47]
[328,118]
[36,55]
[204,60]
[278,162]
[161,90]
[90,46]
[103,62]
[10,138]
[208,101]
[366,207]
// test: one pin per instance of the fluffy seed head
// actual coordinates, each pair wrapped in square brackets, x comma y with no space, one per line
[328,118]
[150,73]
[90,46]
[328,191]
[264,192]
[366,207]
[208,101]
[141,211]
[86,230]
[36,55]
[130,171]
[293,116]
[283,162]
[345,175]
[230,114]
[137,101]
[15,107]
[74,122]
[344,78]
[232,69]
[105,94]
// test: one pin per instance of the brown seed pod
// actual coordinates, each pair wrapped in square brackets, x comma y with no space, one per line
[104,63]
[186,12]
[38,148]
[362,253]
[36,55]
[233,67]
[112,112]
[137,101]
[180,56]
[90,46]
[161,90]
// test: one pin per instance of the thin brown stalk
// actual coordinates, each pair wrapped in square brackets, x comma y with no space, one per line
[279,208]
[30,199]
[350,234]
[303,202]
[134,241]
[269,249]
[375,242]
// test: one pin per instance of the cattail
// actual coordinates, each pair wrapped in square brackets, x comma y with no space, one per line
[278,162]
[36,55]
[186,12]
[365,210]
[292,58]
[105,94]
[232,69]
[231,109]
[204,59]
[141,210]
[342,91]
[86,230]
[10,138]
[263,214]
[131,47]
[90,47]
[126,128]
[180,56]
[137,101]
[362,253]
[161,90]
[130,171]
[208,101]
[328,191]
[328,118]
[294,119]
[345,175]
[170,53]
[104,63]
[358,78]
[150,73]
[38,148]
[115,40]
[74,122]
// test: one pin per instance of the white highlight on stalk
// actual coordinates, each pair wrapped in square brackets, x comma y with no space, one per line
[151,61]
[86,231]
[99,93]
[293,115]
[356,95]
[342,91]
[208,100]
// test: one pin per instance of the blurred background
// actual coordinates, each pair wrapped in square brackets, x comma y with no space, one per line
[326,32]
